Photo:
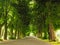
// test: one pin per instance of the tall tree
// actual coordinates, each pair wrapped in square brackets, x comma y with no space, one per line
[51,18]
[6,10]
[22,9]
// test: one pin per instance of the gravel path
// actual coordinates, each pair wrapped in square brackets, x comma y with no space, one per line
[25,41]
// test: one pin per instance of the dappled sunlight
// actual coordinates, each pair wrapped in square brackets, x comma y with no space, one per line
[58,35]
[29,22]
[31,4]
[55,43]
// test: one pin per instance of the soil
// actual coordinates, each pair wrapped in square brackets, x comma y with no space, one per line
[25,41]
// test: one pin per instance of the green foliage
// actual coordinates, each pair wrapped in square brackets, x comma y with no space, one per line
[12,38]
[28,16]
[1,39]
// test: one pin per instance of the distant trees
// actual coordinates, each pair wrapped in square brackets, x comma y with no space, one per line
[20,17]
[47,10]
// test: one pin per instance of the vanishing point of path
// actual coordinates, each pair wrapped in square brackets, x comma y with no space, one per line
[25,41]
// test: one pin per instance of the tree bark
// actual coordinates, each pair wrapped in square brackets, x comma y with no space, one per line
[39,34]
[51,32]
[5,34]
[15,33]
[18,33]
[5,13]
[11,32]
[0,31]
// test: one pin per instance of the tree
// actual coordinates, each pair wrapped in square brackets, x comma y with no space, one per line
[6,10]
[22,9]
[51,14]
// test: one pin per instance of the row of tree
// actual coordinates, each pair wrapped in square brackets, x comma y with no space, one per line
[20,17]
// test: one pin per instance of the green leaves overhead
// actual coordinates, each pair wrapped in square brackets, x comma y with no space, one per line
[24,16]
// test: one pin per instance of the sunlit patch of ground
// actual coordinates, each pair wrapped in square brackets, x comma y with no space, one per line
[55,43]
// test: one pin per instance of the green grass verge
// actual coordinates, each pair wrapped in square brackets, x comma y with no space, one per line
[55,43]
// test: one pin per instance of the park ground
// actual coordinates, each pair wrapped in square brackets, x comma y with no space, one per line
[53,43]
[28,41]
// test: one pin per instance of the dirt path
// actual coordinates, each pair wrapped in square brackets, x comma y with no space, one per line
[25,41]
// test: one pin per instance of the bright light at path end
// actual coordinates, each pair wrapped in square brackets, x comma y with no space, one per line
[58,35]
[31,34]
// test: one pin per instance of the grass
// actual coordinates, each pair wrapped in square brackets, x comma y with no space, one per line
[55,43]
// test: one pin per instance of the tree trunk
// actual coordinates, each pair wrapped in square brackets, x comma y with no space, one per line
[5,13]
[44,26]
[5,34]
[39,34]
[45,34]
[11,33]
[18,33]
[0,31]
[15,33]
[51,32]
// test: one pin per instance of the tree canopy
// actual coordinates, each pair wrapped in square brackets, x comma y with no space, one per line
[18,18]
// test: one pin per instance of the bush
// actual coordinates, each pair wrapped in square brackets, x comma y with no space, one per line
[12,38]
[1,39]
